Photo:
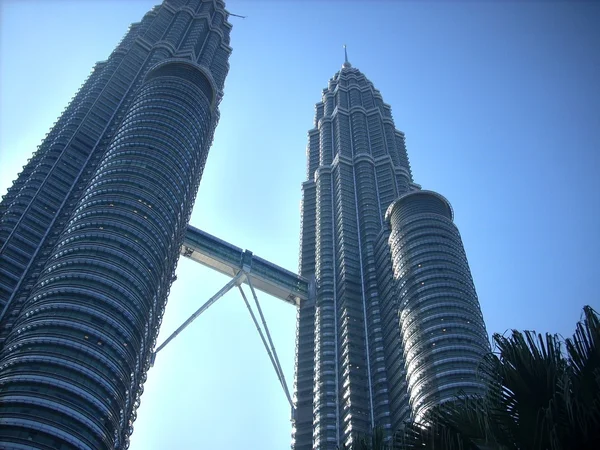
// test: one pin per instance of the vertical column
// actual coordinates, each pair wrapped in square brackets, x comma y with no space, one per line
[399,407]
[325,426]
[302,431]
[354,374]
[177,28]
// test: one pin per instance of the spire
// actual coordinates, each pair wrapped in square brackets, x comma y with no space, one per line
[346,62]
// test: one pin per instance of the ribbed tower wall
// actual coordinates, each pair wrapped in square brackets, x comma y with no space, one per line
[399,406]
[441,326]
[103,206]
[356,166]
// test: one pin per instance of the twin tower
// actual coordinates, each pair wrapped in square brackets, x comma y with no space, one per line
[91,230]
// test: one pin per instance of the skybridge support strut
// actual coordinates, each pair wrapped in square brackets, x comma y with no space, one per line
[264,322]
[270,350]
[237,280]
[240,277]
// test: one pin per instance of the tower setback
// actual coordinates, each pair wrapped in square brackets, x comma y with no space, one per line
[366,354]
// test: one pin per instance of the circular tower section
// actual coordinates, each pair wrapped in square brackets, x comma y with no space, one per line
[441,324]
[73,368]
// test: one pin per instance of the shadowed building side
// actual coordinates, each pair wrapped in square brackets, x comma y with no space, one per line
[84,304]
[394,358]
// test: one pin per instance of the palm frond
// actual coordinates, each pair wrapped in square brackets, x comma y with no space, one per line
[582,389]
[544,394]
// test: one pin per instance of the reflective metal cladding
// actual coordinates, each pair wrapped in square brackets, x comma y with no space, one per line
[441,324]
[91,231]
[394,325]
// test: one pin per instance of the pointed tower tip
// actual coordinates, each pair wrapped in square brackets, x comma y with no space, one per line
[346,62]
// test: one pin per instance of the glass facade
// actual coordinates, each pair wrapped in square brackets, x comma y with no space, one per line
[357,165]
[366,339]
[91,230]
[441,326]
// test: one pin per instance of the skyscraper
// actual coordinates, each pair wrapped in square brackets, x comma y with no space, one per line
[394,325]
[90,231]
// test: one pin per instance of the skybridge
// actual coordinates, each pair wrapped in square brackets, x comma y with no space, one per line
[244,268]
[229,260]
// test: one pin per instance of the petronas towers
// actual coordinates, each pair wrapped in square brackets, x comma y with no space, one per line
[91,230]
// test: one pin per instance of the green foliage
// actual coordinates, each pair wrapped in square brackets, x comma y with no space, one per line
[376,441]
[544,395]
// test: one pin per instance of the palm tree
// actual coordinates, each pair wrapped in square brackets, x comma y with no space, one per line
[544,395]
[374,441]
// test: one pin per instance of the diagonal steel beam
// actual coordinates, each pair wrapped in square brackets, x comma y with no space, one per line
[277,368]
[239,278]
[264,322]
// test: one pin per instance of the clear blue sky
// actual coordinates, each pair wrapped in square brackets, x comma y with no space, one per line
[500,103]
